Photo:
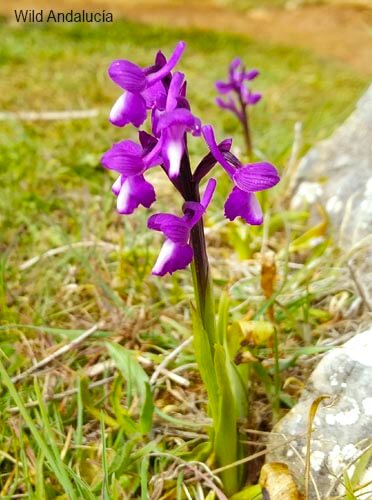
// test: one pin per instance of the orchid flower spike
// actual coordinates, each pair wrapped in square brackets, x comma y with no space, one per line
[141,86]
[247,179]
[176,252]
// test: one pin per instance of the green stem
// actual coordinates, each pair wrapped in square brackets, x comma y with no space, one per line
[202,283]
[277,381]
[246,129]
[210,352]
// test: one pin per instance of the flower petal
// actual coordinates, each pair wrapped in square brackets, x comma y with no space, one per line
[251,74]
[250,98]
[235,72]
[224,88]
[179,117]
[174,91]
[245,205]
[124,157]
[208,193]
[148,142]
[230,105]
[168,66]
[256,177]
[254,98]
[127,75]
[115,188]
[135,191]
[129,108]
[173,227]
[172,257]
[209,161]
[208,135]
[174,150]
[153,94]
[194,210]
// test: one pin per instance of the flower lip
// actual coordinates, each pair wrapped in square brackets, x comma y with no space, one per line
[134,191]
[172,257]
[245,205]
[129,108]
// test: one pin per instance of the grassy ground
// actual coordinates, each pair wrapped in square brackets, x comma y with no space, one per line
[87,443]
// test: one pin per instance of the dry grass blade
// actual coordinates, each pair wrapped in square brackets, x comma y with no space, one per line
[49,115]
[362,292]
[62,395]
[62,350]
[313,409]
[172,355]
[65,248]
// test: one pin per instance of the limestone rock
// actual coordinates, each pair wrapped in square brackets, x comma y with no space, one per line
[338,172]
[341,430]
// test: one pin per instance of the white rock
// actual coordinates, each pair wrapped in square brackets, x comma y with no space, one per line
[345,374]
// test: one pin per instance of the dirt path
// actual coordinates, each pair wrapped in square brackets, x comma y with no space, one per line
[338,31]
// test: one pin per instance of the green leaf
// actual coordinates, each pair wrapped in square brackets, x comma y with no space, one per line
[205,362]
[137,382]
[55,463]
[223,315]
[131,370]
[147,411]
[144,480]
[226,437]
[250,493]
[105,494]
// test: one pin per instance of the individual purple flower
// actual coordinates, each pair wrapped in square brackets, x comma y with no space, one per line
[176,252]
[142,86]
[248,179]
[131,160]
[237,76]
[172,123]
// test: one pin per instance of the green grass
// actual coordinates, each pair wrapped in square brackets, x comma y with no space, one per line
[54,192]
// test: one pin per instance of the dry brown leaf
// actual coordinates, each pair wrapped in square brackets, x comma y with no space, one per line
[277,483]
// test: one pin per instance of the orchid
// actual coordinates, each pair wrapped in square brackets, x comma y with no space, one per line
[160,95]
[131,160]
[238,97]
[176,252]
[248,179]
[142,87]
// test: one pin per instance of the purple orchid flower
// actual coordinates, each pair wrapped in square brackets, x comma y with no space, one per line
[131,160]
[142,86]
[176,252]
[172,123]
[248,179]
[238,97]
